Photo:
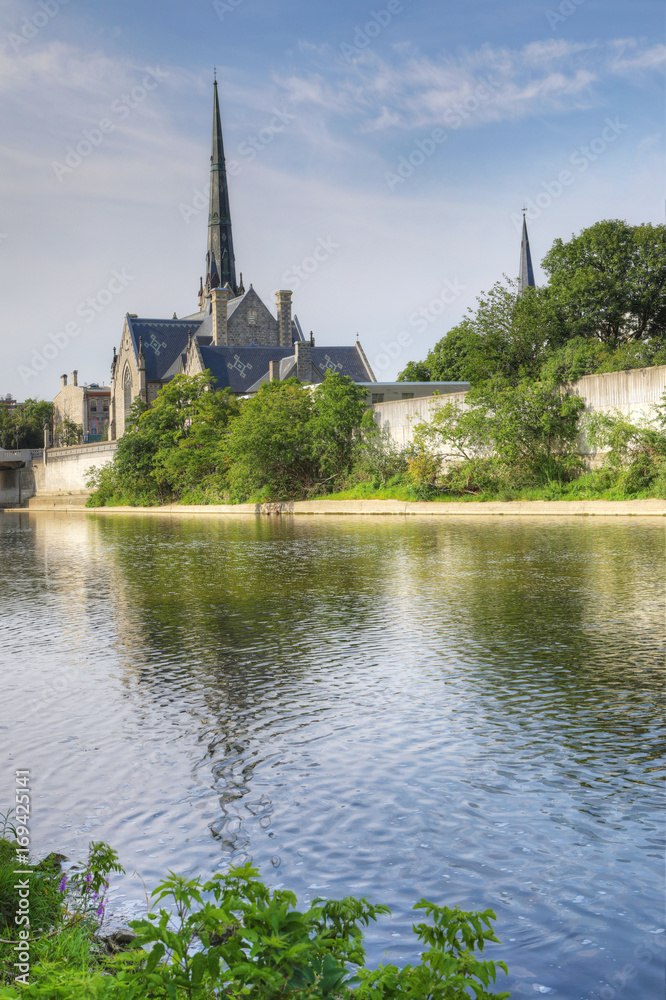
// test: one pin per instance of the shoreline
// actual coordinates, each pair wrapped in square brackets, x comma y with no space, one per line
[452,508]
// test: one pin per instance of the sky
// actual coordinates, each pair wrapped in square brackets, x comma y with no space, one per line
[379,157]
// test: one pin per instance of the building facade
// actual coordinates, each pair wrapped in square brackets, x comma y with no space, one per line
[87,406]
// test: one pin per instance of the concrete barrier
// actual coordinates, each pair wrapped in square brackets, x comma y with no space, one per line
[64,470]
[632,393]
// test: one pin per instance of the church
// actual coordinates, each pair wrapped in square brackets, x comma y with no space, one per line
[233,333]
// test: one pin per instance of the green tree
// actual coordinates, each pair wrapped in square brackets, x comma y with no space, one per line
[609,283]
[504,337]
[68,433]
[22,426]
[293,440]
[502,436]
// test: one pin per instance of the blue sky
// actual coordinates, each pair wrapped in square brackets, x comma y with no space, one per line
[402,136]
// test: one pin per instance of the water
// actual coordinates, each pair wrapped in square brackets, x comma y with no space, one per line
[466,710]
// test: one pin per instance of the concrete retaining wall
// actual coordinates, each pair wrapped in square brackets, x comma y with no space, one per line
[632,393]
[65,469]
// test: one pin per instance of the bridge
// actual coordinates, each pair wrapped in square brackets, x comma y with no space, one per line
[17,480]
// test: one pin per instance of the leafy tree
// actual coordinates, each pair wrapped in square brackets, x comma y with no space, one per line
[609,283]
[504,435]
[68,433]
[505,337]
[22,426]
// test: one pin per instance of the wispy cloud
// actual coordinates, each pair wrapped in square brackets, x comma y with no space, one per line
[411,90]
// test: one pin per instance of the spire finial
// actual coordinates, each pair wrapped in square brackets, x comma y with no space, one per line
[214,74]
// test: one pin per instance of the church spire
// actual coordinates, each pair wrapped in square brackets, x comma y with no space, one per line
[526,273]
[220,261]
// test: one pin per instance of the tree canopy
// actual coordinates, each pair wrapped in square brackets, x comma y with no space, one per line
[603,309]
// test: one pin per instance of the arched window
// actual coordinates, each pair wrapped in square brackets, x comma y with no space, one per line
[127,391]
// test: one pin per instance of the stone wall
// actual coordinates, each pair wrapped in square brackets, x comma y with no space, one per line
[65,469]
[632,393]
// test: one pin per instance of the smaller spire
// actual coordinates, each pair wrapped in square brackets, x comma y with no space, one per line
[142,356]
[526,272]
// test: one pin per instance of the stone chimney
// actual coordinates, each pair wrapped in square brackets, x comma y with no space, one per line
[284,317]
[303,361]
[75,378]
[273,371]
[219,308]
[63,381]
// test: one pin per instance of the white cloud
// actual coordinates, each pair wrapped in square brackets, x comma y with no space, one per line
[411,90]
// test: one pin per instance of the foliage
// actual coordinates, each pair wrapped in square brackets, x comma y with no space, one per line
[603,309]
[22,426]
[507,435]
[636,456]
[609,283]
[68,433]
[504,338]
[294,441]
[233,936]
[173,446]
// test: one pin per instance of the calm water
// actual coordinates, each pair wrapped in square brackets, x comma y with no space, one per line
[460,709]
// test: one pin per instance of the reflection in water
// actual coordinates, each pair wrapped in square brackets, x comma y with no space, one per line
[462,709]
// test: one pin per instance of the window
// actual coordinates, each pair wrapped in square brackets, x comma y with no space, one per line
[93,406]
[105,407]
[127,391]
[93,426]
[378,397]
[408,395]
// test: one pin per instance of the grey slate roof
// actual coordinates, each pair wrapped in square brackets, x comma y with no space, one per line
[163,343]
[241,368]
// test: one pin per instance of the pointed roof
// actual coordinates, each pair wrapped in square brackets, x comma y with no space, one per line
[220,252]
[526,273]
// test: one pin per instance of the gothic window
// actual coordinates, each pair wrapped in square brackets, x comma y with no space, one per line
[127,391]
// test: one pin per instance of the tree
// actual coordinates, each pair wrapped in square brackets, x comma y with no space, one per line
[504,337]
[503,435]
[292,440]
[609,283]
[68,433]
[22,426]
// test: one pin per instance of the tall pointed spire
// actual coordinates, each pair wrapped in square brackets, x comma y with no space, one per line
[526,273]
[220,260]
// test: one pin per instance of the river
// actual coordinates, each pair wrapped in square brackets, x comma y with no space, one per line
[466,709]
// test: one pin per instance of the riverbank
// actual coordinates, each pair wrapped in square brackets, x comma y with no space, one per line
[449,508]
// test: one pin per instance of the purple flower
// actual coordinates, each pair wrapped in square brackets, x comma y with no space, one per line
[100,910]
[63,884]
[88,877]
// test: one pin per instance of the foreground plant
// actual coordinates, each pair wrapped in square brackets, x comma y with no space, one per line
[233,934]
